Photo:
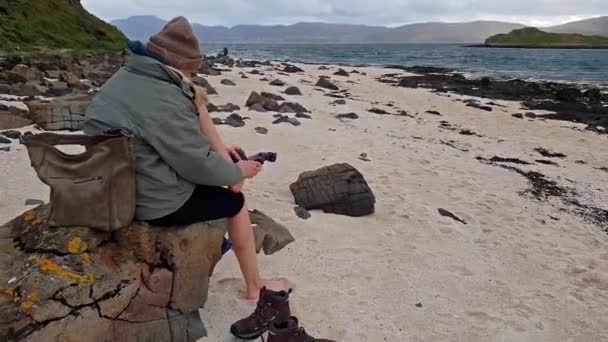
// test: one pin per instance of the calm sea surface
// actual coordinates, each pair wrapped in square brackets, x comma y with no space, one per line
[558,65]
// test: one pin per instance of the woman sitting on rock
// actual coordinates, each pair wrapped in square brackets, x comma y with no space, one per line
[185,174]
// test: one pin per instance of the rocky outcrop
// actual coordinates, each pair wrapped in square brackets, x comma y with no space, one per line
[140,283]
[338,189]
[570,102]
[62,113]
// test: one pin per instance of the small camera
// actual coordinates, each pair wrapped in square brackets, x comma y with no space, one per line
[261,157]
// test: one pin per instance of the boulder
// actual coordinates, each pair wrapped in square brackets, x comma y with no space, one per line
[254,98]
[141,283]
[292,69]
[21,73]
[10,121]
[326,83]
[5,88]
[73,81]
[233,120]
[11,134]
[338,189]
[229,107]
[201,82]
[277,83]
[57,88]
[206,69]
[341,72]
[293,91]
[338,102]
[352,116]
[262,103]
[261,130]
[228,82]
[292,107]
[258,107]
[62,113]
[272,96]
[30,89]
[286,119]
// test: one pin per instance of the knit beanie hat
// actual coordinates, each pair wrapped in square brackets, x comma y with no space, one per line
[177,45]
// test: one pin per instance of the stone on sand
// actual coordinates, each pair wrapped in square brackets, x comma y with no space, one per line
[338,189]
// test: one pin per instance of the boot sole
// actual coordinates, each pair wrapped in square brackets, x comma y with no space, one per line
[249,337]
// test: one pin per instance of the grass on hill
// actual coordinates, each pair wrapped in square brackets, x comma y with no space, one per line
[54,24]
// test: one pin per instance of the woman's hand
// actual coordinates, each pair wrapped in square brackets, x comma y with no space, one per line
[249,168]
[232,152]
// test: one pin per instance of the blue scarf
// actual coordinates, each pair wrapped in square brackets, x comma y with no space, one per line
[139,48]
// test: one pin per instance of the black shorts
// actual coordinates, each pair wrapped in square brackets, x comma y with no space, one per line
[207,203]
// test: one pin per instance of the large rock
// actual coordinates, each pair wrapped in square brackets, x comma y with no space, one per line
[141,283]
[293,91]
[30,89]
[326,83]
[338,189]
[261,103]
[292,107]
[21,73]
[201,82]
[292,69]
[63,113]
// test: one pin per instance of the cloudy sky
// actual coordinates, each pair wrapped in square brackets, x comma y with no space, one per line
[373,12]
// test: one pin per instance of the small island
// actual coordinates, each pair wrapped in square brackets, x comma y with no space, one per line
[534,38]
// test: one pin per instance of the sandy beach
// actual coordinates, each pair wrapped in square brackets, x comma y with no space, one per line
[520,269]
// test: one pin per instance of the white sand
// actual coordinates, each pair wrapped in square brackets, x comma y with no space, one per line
[503,277]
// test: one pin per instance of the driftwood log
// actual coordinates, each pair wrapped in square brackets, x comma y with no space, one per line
[140,283]
[338,189]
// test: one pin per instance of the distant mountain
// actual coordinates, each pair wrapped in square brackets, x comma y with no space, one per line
[533,37]
[142,27]
[590,27]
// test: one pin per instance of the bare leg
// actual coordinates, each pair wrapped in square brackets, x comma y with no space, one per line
[243,245]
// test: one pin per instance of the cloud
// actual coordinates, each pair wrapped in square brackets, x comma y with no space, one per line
[378,12]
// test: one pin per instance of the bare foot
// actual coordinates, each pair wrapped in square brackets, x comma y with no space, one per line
[277,284]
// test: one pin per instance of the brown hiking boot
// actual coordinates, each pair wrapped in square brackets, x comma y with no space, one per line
[271,305]
[289,331]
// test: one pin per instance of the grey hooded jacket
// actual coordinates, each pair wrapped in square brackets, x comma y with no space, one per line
[172,155]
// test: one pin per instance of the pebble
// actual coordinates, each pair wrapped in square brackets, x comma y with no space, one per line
[301,213]
[34,202]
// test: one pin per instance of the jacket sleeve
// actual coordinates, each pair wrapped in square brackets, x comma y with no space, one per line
[174,133]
